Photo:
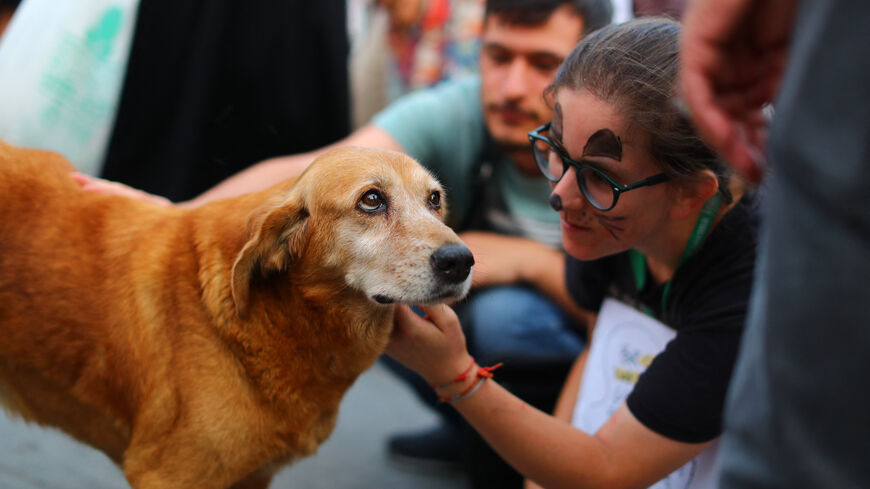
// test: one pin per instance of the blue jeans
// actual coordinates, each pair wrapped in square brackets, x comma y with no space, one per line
[516,323]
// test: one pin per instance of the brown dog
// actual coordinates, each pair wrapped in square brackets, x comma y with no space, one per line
[207,347]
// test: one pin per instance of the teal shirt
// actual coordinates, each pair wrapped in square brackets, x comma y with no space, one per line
[443,128]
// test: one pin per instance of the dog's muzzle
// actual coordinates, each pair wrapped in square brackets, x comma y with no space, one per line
[452,262]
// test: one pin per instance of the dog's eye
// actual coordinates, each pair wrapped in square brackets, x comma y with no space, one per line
[435,200]
[372,201]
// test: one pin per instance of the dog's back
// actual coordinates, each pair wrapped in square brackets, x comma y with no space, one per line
[44,254]
[62,361]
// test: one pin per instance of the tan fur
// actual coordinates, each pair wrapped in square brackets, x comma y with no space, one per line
[206,347]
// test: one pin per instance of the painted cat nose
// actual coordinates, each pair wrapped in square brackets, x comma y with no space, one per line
[556,202]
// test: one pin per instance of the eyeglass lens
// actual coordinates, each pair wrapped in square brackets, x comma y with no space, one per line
[543,153]
[597,190]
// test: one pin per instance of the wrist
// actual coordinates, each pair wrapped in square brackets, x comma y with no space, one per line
[458,384]
[452,372]
[465,384]
[469,390]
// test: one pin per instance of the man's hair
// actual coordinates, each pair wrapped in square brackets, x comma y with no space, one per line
[595,13]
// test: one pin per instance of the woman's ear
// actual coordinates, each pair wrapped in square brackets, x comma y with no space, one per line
[693,194]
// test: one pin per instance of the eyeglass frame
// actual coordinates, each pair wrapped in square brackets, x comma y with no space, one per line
[618,188]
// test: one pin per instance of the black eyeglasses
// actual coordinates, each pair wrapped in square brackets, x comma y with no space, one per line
[599,189]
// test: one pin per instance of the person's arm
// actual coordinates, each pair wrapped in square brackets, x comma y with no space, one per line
[564,410]
[255,178]
[551,452]
[732,58]
[567,400]
[423,124]
[426,124]
[267,172]
[500,259]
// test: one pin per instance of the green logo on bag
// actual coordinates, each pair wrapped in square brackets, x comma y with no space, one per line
[101,38]
[78,79]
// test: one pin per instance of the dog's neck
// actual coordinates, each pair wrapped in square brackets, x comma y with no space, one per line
[339,334]
[280,331]
[308,339]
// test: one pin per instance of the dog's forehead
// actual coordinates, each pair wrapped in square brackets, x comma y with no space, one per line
[356,168]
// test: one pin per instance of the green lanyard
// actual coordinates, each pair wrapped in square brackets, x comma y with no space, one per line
[702,227]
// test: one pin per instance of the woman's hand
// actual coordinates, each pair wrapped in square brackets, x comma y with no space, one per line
[98,185]
[433,346]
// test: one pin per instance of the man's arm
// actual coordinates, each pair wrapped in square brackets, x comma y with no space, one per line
[267,172]
[503,259]
[419,124]
[255,178]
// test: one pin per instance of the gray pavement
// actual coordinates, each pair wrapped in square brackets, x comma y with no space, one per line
[32,457]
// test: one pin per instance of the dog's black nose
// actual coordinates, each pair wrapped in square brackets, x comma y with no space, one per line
[453,262]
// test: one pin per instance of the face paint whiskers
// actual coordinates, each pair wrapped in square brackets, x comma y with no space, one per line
[611,223]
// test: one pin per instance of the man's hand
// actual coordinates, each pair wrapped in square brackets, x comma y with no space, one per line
[500,259]
[98,185]
[433,346]
[733,56]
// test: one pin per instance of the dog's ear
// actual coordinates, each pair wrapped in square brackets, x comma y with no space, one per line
[277,237]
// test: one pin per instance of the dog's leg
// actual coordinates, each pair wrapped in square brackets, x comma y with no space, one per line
[256,480]
[160,479]
[179,460]
[180,468]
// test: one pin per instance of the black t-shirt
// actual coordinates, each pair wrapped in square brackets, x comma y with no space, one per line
[681,394]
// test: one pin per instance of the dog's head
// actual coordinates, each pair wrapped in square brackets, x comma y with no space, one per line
[371,219]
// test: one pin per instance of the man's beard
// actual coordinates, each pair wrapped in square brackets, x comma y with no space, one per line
[506,146]
[521,154]
[512,145]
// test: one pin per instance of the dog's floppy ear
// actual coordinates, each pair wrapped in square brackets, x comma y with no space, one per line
[277,238]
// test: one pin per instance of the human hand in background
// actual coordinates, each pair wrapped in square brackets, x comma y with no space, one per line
[98,185]
[500,259]
[733,56]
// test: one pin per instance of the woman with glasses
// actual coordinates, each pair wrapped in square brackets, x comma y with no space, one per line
[662,243]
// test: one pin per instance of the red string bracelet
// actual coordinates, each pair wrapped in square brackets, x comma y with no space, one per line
[482,374]
[459,378]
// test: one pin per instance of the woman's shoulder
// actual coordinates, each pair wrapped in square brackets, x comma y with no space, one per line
[713,288]
[743,219]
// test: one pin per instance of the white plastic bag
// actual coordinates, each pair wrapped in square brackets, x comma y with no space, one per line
[62,65]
